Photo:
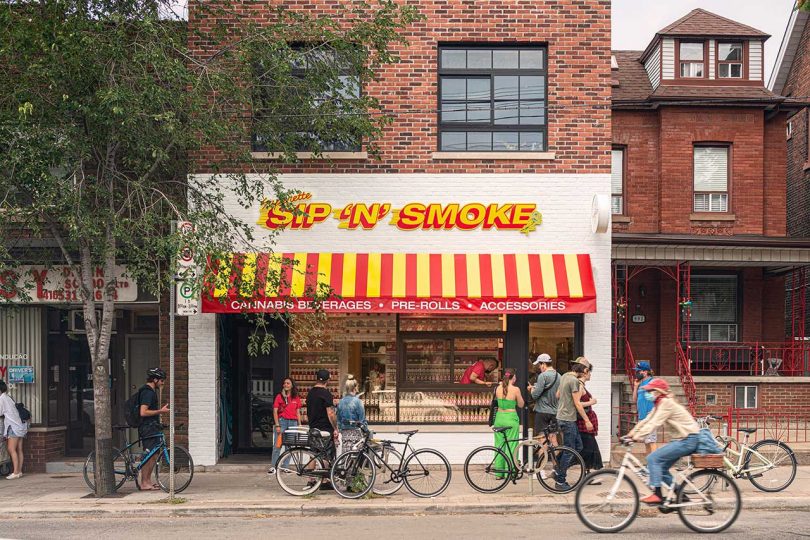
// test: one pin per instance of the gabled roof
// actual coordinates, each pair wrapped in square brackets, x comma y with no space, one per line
[700,22]
[630,82]
[788,49]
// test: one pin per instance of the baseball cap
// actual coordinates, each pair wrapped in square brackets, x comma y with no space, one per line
[542,358]
[643,366]
[584,361]
[322,374]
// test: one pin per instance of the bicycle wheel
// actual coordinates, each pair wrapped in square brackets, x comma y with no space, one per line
[551,473]
[353,474]
[183,469]
[775,470]
[385,482]
[487,469]
[605,502]
[713,509]
[426,473]
[299,471]
[120,469]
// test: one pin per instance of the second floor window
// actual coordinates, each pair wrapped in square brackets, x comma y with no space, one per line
[711,179]
[617,181]
[691,59]
[729,60]
[492,99]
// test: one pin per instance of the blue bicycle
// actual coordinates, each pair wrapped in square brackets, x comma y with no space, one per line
[127,464]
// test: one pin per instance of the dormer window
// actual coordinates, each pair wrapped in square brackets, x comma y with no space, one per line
[691,59]
[729,60]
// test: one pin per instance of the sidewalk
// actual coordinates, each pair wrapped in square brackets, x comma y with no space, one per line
[252,494]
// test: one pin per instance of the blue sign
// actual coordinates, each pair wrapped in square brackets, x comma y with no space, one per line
[20,374]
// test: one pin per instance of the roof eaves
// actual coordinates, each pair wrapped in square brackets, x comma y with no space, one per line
[787,50]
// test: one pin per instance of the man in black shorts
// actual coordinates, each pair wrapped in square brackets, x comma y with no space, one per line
[150,429]
[321,410]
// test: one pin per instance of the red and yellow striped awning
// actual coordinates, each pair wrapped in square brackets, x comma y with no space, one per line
[404,283]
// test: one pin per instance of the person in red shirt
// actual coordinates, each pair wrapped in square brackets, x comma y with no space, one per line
[477,373]
[287,414]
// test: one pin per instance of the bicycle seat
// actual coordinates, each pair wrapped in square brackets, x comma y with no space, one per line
[747,430]
[500,429]
[411,432]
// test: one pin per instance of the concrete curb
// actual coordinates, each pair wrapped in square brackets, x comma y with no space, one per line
[231,509]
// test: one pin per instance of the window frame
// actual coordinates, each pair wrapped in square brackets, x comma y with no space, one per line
[704,62]
[737,322]
[490,127]
[623,194]
[746,388]
[728,146]
[719,62]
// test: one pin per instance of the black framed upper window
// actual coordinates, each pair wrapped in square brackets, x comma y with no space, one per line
[492,99]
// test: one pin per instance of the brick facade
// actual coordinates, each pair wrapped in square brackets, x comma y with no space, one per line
[770,395]
[41,446]
[578,39]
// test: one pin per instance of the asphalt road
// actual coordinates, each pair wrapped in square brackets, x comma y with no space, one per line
[750,525]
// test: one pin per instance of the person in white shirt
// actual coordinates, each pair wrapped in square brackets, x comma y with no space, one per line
[14,432]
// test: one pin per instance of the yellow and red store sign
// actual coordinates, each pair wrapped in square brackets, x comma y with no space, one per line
[403,283]
[303,213]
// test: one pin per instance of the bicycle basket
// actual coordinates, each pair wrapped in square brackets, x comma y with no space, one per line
[292,439]
[707,461]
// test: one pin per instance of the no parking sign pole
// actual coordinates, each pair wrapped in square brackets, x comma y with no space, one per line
[172,300]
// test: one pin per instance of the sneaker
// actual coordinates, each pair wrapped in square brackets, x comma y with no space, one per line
[595,482]
[271,471]
[652,498]
[564,486]
[13,476]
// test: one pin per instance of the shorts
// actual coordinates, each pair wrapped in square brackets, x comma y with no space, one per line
[651,438]
[150,435]
[19,434]
[542,421]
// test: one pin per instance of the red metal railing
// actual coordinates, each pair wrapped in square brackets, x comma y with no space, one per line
[752,358]
[684,371]
[787,424]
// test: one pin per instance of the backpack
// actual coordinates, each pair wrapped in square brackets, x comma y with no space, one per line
[25,414]
[132,410]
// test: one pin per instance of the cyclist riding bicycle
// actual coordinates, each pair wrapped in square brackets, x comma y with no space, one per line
[693,439]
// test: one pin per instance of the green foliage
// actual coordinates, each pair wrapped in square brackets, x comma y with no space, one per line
[803,5]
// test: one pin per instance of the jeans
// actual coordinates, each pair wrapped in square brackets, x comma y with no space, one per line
[285,424]
[571,439]
[660,461]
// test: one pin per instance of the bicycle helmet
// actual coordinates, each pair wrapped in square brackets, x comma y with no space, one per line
[156,373]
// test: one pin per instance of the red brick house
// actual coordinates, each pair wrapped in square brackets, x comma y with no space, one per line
[701,251]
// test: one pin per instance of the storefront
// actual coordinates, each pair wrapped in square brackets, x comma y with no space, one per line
[425,282]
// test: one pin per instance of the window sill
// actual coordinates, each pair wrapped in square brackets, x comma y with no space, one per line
[709,216]
[618,218]
[311,155]
[517,156]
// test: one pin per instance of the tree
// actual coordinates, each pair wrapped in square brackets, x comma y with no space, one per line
[804,5]
[104,102]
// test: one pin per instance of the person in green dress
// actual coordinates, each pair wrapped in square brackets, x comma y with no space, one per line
[509,400]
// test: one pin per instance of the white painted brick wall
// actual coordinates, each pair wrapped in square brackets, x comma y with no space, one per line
[203,389]
[563,199]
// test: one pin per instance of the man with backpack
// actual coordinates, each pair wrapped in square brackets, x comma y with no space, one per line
[147,415]
[544,394]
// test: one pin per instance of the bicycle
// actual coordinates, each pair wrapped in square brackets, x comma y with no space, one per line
[770,465]
[424,472]
[127,467]
[607,501]
[488,468]
[301,469]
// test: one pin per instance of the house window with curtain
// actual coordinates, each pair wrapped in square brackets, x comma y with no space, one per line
[691,59]
[714,308]
[711,178]
[492,99]
[617,181]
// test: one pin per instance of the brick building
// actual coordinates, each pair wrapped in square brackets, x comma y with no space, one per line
[418,306]
[701,248]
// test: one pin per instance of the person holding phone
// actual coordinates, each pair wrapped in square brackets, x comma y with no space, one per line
[150,427]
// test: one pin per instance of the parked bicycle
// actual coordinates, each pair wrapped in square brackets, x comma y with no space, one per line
[488,468]
[769,464]
[306,463]
[376,465]
[127,464]
[607,501]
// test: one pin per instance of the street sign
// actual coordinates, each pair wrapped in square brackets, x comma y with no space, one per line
[187,303]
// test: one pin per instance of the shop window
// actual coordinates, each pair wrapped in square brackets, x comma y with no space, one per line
[729,60]
[745,397]
[492,99]
[617,181]
[714,309]
[691,59]
[711,178]
[325,105]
